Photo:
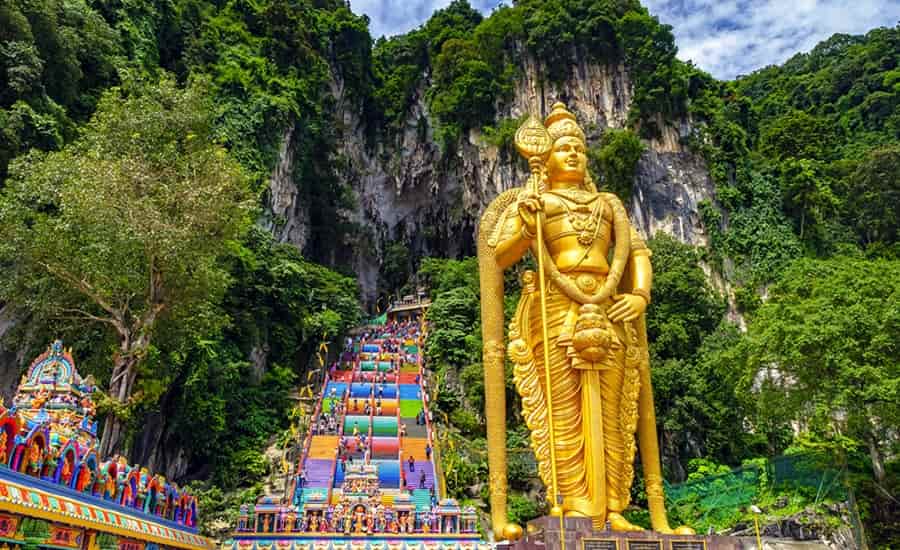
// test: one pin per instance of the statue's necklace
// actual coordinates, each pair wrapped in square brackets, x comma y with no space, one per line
[585,221]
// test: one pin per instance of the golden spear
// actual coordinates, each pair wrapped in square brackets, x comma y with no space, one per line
[534,143]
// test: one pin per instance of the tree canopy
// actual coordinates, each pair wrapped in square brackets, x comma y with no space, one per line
[126,224]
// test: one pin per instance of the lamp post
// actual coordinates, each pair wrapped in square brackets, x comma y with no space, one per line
[756,512]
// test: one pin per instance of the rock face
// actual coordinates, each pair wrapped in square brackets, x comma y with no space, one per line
[408,188]
[10,360]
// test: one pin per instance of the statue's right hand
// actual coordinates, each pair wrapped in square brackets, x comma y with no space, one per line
[529,205]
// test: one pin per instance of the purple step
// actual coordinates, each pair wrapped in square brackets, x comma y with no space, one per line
[412,478]
[318,472]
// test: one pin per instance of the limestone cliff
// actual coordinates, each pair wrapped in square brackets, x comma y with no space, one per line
[408,188]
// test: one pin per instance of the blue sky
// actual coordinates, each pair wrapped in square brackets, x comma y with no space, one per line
[724,37]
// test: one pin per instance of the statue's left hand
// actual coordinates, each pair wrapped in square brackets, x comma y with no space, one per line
[628,307]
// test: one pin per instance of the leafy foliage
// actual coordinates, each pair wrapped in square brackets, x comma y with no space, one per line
[827,335]
[811,130]
[125,226]
[474,60]
[804,157]
[56,58]
[278,308]
[615,161]
[262,67]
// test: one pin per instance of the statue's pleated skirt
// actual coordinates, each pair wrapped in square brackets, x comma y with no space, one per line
[588,439]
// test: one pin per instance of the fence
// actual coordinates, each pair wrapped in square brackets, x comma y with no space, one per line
[723,500]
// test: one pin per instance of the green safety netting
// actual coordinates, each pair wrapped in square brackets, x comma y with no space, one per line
[716,500]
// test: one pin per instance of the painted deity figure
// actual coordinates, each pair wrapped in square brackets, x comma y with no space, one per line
[85,479]
[4,456]
[590,317]
[109,486]
[65,474]
[34,459]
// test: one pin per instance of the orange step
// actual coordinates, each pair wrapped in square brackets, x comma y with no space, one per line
[323,446]
[389,407]
[414,446]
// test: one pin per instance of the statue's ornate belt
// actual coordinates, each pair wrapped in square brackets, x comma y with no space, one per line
[588,336]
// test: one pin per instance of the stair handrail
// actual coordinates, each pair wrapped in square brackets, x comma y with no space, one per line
[307,443]
[439,482]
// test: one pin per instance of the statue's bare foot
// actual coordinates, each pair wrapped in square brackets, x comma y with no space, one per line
[684,530]
[619,523]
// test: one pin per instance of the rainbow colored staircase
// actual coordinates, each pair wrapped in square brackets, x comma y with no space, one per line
[354,482]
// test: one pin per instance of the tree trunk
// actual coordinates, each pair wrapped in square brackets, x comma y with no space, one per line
[877,459]
[124,373]
[113,435]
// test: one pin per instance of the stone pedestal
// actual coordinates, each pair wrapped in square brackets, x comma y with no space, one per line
[544,534]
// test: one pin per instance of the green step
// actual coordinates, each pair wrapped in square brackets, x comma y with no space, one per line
[384,426]
[422,499]
[410,407]
[328,403]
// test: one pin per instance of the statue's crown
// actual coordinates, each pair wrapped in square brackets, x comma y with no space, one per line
[560,123]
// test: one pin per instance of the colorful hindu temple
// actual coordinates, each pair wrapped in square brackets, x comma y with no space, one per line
[369,475]
[57,492]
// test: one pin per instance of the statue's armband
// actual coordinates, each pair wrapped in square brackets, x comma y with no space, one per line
[638,246]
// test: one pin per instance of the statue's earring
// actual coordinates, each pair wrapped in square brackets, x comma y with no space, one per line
[589,182]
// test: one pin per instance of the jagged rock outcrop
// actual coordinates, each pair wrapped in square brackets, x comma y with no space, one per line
[408,188]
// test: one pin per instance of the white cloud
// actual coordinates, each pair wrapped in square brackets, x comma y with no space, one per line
[390,17]
[724,37]
[733,37]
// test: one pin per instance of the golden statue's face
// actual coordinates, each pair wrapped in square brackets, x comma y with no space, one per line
[568,162]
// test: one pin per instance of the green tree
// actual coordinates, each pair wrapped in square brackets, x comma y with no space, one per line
[697,409]
[807,192]
[55,60]
[124,227]
[827,341]
[684,308]
[797,134]
[873,202]
[464,89]
[395,266]
[616,160]
[456,21]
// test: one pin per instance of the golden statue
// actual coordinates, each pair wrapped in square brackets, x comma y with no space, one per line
[593,379]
